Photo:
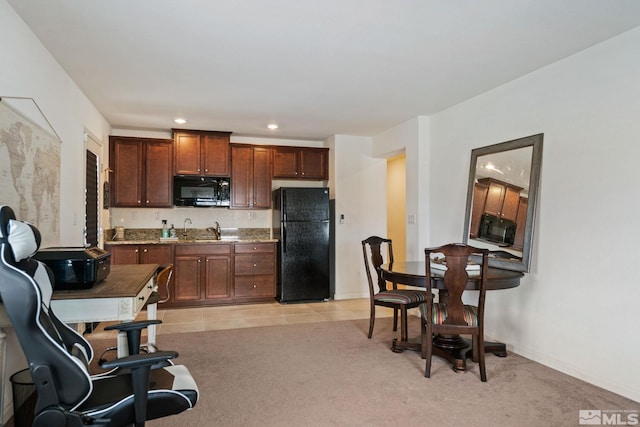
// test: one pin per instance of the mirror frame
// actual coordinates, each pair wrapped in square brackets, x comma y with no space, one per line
[534,141]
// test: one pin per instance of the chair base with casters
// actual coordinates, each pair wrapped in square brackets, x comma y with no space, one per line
[59,357]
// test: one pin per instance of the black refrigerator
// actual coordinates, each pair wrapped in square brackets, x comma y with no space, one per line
[301,224]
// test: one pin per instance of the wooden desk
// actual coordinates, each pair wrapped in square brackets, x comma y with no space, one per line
[455,349]
[119,297]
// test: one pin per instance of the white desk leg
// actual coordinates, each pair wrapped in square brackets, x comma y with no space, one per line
[3,359]
[152,310]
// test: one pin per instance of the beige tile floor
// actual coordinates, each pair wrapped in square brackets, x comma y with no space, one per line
[246,316]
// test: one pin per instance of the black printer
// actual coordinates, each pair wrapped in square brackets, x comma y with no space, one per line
[76,267]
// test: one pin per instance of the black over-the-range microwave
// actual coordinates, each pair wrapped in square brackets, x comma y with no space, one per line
[201,191]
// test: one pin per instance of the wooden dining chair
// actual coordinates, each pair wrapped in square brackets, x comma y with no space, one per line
[400,300]
[452,316]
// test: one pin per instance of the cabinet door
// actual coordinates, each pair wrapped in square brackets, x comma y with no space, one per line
[187,153]
[521,220]
[495,197]
[510,204]
[126,161]
[261,181]
[477,208]
[314,163]
[285,162]
[158,176]
[241,176]
[215,154]
[218,277]
[156,254]
[123,254]
[187,278]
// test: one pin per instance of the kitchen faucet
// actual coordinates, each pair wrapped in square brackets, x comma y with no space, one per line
[184,233]
[215,230]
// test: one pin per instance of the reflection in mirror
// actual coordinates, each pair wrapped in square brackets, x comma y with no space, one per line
[501,200]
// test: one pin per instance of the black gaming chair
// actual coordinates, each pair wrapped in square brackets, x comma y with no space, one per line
[58,356]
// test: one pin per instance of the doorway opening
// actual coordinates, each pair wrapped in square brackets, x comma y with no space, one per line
[397,205]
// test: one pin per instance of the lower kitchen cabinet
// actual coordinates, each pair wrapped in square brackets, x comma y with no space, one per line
[209,274]
[143,254]
[203,274]
[254,271]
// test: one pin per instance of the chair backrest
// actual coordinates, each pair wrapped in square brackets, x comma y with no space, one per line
[457,275]
[163,279]
[58,356]
[372,249]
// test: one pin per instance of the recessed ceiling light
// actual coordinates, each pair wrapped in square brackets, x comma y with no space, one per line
[272,126]
[180,121]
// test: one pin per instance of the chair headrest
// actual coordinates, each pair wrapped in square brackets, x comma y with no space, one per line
[23,237]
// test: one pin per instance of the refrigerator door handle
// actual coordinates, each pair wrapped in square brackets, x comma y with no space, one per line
[284,238]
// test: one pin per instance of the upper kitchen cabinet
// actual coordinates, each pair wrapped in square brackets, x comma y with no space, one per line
[251,176]
[142,172]
[502,199]
[300,163]
[202,153]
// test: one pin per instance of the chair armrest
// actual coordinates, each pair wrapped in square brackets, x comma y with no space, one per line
[133,331]
[132,326]
[140,360]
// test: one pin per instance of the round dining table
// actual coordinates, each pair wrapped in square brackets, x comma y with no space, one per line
[451,347]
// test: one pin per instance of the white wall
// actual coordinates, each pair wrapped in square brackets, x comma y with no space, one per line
[358,184]
[577,309]
[412,138]
[28,70]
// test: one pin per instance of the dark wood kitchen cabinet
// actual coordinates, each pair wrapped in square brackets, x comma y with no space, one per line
[254,271]
[521,221]
[300,163]
[251,176]
[143,254]
[502,198]
[202,153]
[142,172]
[203,274]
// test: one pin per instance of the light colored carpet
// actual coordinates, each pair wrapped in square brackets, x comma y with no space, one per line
[330,374]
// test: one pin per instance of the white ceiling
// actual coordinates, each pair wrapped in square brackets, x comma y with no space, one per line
[316,67]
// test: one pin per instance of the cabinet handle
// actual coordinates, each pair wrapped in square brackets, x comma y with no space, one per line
[136,251]
[206,170]
[255,265]
[139,202]
[141,298]
[255,286]
[149,287]
[145,251]
[147,201]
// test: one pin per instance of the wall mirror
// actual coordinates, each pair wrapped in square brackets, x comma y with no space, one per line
[501,201]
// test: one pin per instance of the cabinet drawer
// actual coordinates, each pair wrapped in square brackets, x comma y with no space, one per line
[249,248]
[143,295]
[198,249]
[255,286]
[254,264]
